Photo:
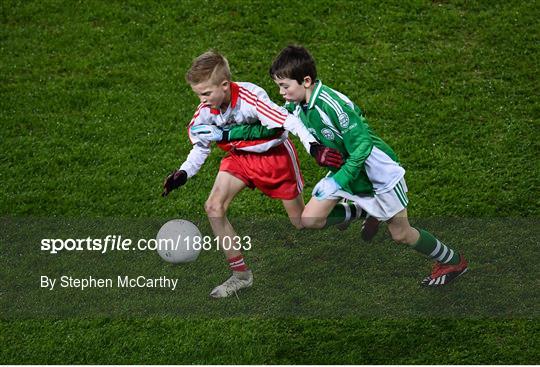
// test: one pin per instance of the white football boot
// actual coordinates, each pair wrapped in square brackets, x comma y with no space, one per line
[239,280]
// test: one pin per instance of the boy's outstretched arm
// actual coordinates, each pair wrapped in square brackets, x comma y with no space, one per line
[273,116]
[193,162]
[357,142]
[210,133]
[325,157]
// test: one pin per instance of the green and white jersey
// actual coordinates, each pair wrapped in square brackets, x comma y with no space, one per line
[371,166]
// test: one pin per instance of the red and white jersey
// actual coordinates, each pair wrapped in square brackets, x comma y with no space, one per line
[250,104]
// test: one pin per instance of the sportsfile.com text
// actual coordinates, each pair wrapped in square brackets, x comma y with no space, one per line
[119,243]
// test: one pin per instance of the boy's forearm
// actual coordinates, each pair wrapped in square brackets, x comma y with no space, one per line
[295,126]
[352,167]
[195,159]
[252,132]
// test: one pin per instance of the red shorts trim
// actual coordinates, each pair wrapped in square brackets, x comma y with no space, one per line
[275,172]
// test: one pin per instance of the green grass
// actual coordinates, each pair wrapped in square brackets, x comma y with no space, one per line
[276,341]
[315,274]
[93,108]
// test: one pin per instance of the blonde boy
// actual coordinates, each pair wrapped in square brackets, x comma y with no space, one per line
[269,163]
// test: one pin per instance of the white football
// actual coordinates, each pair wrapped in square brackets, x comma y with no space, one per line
[179,241]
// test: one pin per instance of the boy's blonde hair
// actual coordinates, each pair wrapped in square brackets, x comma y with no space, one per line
[211,66]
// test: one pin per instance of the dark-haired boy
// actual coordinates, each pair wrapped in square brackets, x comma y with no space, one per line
[371,176]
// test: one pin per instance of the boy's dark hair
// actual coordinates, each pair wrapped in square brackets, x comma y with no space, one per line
[294,62]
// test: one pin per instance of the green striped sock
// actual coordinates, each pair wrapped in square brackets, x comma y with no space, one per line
[344,212]
[435,249]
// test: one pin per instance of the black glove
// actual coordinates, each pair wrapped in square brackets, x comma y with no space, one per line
[174,181]
[326,157]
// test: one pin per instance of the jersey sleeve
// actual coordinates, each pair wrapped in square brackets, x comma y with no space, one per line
[356,139]
[297,127]
[200,150]
[197,119]
[195,159]
[274,116]
[252,132]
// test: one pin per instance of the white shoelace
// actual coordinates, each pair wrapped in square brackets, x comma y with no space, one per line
[233,283]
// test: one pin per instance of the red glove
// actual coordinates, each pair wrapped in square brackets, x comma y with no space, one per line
[326,157]
[174,181]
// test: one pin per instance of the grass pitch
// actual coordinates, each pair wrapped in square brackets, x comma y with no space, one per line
[93,107]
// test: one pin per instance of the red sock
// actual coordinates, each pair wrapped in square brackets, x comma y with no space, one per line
[237,263]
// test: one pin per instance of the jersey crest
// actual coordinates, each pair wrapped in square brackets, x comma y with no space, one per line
[328,134]
[343,120]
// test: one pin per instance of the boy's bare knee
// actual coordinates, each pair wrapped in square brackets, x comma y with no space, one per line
[313,222]
[297,223]
[214,208]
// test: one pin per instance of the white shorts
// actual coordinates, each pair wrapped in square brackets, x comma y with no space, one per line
[381,206]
